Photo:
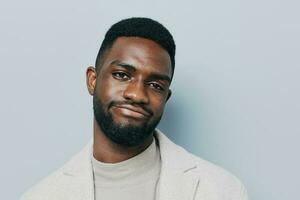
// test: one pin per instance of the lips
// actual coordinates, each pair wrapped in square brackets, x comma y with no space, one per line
[132,111]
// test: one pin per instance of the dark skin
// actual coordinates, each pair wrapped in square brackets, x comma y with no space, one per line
[136,70]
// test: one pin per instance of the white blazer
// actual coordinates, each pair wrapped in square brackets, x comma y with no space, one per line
[183,177]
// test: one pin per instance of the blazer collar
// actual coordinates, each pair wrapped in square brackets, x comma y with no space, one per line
[176,181]
[173,156]
[79,168]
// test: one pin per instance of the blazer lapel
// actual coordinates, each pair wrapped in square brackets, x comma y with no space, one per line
[176,181]
[177,186]
[79,169]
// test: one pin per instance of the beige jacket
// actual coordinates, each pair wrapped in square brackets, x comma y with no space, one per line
[183,177]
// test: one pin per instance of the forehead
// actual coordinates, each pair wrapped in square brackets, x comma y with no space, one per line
[144,54]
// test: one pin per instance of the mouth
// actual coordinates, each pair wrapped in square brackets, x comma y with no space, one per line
[132,111]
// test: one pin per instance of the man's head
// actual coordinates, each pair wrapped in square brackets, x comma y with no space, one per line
[138,27]
[130,84]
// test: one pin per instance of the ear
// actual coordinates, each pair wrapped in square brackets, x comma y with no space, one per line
[169,95]
[91,77]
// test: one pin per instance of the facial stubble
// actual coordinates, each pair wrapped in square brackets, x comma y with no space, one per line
[124,135]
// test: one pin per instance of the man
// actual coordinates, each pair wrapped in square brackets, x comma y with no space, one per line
[128,158]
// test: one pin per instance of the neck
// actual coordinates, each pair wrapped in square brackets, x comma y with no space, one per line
[107,151]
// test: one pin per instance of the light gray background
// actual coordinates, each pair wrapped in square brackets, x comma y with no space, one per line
[235,93]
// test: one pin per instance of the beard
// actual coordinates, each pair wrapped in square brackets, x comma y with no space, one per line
[124,135]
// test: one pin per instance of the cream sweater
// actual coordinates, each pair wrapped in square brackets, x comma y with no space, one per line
[132,179]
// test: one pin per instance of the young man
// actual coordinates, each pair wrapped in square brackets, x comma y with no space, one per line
[128,158]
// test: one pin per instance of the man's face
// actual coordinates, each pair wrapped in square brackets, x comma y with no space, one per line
[131,90]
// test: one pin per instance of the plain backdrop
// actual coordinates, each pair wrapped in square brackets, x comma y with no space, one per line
[235,92]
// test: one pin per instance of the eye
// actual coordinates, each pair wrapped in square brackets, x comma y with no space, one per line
[156,86]
[120,76]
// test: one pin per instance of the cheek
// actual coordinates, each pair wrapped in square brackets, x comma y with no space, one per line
[158,105]
[109,90]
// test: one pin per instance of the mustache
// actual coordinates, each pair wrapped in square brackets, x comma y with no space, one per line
[120,103]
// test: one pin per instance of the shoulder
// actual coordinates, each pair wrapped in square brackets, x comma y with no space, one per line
[214,182]
[217,182]
[74,174]
[47,185]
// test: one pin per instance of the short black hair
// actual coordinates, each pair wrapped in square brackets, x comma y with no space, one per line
[138,27]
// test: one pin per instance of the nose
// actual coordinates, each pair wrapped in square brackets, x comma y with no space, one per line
[135,92]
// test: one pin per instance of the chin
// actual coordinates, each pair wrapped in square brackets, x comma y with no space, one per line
[125,123]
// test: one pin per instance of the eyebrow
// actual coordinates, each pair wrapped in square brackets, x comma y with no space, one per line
[127,66]
[132,68]
[160,77]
